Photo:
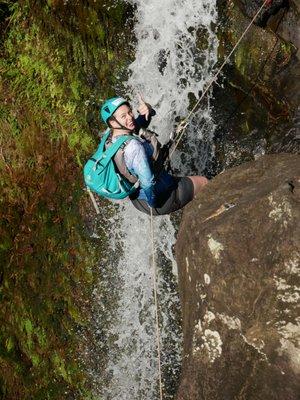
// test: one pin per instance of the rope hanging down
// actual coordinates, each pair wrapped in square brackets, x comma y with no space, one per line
[183,124]
[156,305]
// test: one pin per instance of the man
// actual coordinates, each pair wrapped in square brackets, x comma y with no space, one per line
[160,191]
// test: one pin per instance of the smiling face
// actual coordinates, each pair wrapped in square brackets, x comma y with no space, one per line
[123,116]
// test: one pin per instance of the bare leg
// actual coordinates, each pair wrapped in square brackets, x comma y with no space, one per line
[199,182]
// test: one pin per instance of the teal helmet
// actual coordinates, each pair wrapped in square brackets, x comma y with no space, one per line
[110,106]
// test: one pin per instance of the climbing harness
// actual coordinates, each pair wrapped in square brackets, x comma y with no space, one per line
[163,162]
[154,271]
[183,124]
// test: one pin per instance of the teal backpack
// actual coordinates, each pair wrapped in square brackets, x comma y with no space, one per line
[101,175]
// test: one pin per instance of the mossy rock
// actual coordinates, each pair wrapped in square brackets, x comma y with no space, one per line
[262,56]
[256,108]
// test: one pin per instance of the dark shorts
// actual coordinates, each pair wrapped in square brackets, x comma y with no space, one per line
[182,194]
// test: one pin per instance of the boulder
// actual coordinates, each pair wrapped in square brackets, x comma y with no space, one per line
[238,254]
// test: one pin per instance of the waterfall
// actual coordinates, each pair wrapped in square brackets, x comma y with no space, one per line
[175,52]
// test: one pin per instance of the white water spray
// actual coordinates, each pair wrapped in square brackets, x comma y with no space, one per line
[170,71]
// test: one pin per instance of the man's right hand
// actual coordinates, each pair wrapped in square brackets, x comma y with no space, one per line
[144,108]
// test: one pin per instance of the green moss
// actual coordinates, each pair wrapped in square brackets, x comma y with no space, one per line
[257,65]
[285,53]
[9,344]
[41,337]
[59,366]
[50,53]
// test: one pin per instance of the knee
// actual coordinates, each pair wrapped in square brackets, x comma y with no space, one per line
[199,182]
[202,180]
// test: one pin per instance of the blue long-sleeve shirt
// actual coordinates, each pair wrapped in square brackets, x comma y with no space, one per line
[138,160]
[138,163]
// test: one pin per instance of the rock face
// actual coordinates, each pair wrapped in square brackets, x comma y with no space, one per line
[250,8]
[238,252]
[257,111]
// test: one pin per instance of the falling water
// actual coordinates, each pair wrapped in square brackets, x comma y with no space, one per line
[175,51]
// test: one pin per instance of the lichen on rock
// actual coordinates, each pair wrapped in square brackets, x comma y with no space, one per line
[242,330]
[215,247]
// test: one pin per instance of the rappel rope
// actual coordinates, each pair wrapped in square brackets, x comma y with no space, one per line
[156,305]
[183,124]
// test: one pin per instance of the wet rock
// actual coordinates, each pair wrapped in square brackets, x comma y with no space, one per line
[286,24]
[262,57]
[250,8]
[257,107]
[238,253]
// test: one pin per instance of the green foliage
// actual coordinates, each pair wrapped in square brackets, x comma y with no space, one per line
[56,60]
[9,344]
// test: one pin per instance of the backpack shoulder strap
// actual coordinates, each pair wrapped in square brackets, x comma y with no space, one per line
[105,155]
[115,150]
[151,137]
[121,165]
[103,140]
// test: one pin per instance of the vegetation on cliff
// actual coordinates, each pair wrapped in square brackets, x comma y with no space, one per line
[55,59]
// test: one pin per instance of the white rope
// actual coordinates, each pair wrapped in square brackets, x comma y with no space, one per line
[93,200]
[156,305]
[182,126]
